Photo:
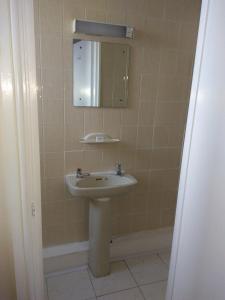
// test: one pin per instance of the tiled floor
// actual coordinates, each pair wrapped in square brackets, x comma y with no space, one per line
[139,278]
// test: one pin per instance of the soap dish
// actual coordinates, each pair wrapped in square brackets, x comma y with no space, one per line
[98,138]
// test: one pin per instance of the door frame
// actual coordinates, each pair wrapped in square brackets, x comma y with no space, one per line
[25,92]
[187,147]
[20,111]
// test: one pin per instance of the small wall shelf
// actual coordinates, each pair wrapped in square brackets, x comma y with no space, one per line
[98,138]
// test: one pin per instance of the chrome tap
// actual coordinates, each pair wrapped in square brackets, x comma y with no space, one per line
[119,169]
[80,174]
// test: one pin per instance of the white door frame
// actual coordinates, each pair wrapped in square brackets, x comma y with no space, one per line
[20,143]
[187,147]
[23,50]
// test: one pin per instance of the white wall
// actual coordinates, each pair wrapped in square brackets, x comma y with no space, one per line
[198,266]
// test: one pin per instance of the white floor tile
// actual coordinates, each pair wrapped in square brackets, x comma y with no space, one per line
[119,279]
[155,291]
[70,286]
[165,256]
[147,269]
[132,294]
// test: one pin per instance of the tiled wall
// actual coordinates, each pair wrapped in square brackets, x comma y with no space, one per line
[151,128]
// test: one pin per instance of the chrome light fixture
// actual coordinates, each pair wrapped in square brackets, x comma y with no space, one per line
[103,29]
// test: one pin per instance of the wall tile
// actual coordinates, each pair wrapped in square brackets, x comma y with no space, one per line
[54,189]
[51,16]
[167,217]
[73,133]
[150,59]
[173,88]
[155,8]
[139,222]
[146,113]
[174,10]
[143,159]
[55,213]
[164,179]
[127,158]
[154,32]
[54,163]
[168,136]
[191,10]
[148,88]
[128,137]
[134,6]
[76,231]
[51,51]
[67,53]
[110,158]
[72,10]
[53,112]
[129,116]
[170,35]
[73,160]
[153,220]
[53,137]
[112,122]
[54,235]
[116,17]
[124,224]
[52,83]
[116,5]
[76,209]
[93,119]
[165,158]
[139,204]
[98,15]
[92,160]
[144,139]
[168,62]
[188,36]
[170,113]
[151,128]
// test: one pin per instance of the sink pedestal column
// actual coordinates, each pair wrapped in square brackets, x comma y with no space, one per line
[99,236]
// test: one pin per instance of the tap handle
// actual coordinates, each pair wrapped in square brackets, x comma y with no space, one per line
[119,165]
[78,172]
[119,169]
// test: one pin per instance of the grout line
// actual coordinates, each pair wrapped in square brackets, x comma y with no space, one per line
[89,275]
[130,272]
[112,259]
[85,267]
[153,282]
[138,287]
[158,254]
[119,291]
[135,255]
[66,271]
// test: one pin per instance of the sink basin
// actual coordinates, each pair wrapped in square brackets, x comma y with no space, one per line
[99,188]
[99,184]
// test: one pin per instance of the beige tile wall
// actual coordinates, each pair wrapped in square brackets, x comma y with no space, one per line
[151,128]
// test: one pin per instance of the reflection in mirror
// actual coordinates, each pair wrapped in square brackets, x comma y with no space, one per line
[100,74]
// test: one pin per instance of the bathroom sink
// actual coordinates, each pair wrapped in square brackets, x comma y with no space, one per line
[99,184]
[99,187]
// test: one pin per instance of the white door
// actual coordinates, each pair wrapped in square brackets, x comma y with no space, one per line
[198,258]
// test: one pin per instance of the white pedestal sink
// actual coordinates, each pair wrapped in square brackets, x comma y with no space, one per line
[99,187]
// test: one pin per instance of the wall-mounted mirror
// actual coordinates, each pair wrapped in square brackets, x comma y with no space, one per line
[100,74]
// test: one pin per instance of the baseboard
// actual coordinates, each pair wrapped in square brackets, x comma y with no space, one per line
[74,255]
